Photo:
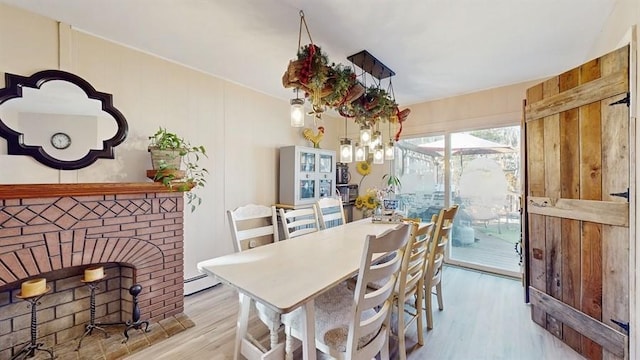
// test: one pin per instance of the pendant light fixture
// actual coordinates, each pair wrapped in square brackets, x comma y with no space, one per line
[297,111]
[346,150]
[389,151]
[378,155]
[361,152]
[376,138]
[365,135]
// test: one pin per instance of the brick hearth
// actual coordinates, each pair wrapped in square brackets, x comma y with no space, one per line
[56,231]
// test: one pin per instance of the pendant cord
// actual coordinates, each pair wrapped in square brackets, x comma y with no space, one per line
[303,21]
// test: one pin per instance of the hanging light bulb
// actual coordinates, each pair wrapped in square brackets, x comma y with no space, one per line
[376,139]
[378,155]
[389,151]
[346,151]
[297,112]
[365,135]
[361,152]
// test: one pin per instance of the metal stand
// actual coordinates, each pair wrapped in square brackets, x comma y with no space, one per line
[93,285]
[31,347]
[135,314]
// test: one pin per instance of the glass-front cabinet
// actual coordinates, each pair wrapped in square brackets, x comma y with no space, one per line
[306,174]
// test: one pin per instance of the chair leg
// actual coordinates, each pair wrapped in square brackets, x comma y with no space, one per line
[427,300]
[439,292]
[402,348]
[384,352]
[419,312]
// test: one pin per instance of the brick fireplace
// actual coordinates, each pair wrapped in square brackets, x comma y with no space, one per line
[56,231]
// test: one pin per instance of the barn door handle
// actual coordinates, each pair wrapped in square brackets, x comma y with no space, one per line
[622,194]
[623,325]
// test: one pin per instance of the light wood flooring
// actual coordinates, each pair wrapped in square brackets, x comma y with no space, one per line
[484,318]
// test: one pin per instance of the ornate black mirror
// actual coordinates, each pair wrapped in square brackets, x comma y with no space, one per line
[59,119]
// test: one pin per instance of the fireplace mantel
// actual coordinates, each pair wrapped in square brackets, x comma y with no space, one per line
[30,191]
[56,231]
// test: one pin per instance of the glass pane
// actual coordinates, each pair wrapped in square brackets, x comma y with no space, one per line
[325,163]
[484,180]
[325,188]
[421,174]
[307,162]
[307,189]
[485,167]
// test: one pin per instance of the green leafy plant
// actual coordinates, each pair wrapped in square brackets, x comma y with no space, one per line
[168,172]
[393,182]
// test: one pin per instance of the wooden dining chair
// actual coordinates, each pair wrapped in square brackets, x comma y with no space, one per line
[252,226]
[354,324]
[443,224]
[330,212]
[410,284]
[299,221]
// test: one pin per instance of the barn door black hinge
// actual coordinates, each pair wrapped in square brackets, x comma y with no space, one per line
[626,100]
[623,325]
[622,194]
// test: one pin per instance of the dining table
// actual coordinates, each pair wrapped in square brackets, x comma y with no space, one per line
[290,274]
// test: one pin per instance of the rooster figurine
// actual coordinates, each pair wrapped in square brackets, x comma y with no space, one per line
[314,138]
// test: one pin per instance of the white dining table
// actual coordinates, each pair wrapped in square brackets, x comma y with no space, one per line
[289,274]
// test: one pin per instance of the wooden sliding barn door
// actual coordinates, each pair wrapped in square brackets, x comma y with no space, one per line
[577,206]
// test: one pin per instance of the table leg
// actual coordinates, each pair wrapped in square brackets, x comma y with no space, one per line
[242,325]
[309,331]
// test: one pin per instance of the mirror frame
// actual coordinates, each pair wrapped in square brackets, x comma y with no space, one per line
[14,84]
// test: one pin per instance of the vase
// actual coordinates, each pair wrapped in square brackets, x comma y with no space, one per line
[390,204]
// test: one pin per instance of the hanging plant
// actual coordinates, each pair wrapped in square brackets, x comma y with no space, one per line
[336,86]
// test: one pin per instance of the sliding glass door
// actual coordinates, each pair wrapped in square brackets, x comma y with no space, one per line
[479,171]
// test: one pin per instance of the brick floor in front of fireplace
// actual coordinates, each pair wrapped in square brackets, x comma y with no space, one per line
[97,347]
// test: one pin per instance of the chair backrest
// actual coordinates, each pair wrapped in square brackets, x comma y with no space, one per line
[252,226]
[299,221]
[443,224]
[372,307]
[415,258]
[330,212]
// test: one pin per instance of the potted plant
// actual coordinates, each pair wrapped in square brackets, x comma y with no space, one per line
[175,164]
[393,184]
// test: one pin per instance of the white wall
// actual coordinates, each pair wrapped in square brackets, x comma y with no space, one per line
[240,128]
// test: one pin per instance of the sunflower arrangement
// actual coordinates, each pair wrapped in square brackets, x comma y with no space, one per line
[368,201]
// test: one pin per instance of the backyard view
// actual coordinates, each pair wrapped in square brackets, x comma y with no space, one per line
[484,178]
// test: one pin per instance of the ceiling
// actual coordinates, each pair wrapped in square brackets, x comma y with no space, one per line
[438,48]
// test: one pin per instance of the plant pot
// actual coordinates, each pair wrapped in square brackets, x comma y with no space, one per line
[158,175]
[390,204]
[171,159]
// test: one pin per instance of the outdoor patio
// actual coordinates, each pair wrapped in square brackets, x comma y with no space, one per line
[493,246]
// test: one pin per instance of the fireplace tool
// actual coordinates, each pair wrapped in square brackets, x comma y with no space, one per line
[135,322]
[29,350]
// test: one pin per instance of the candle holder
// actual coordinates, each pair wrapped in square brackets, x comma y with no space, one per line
[92,325]
[29,350]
